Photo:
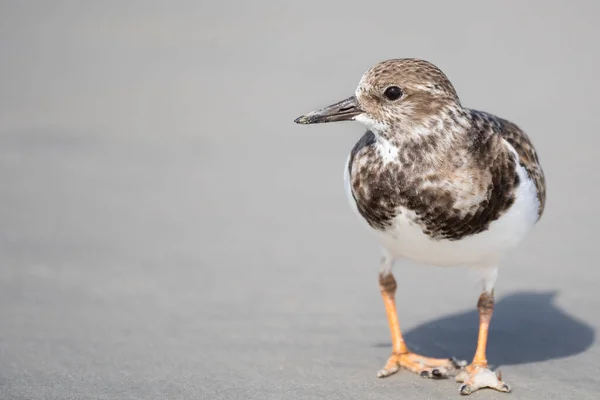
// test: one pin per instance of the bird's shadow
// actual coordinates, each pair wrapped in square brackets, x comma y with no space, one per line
[526,327]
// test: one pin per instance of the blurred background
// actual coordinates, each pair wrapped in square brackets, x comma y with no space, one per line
[167,231]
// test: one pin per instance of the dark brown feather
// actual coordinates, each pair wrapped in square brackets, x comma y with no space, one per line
[528,158]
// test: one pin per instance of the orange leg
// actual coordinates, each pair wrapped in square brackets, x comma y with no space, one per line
[485,305]
[401,356]
[387,285]
[477,375]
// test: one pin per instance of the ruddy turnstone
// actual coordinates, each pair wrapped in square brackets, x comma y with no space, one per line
[439,184]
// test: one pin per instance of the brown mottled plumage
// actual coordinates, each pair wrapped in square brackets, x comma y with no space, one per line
[527,158]
[440,184]
[461,156]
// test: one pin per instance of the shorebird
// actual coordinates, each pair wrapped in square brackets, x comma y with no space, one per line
[439,184]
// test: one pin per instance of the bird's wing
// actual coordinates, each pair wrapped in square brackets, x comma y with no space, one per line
[527,158]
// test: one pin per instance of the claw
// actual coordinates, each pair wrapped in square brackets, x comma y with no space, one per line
[434,373]
[504,388]
[438,373]
[465,389]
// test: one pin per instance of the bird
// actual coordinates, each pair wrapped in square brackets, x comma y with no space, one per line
[439,184]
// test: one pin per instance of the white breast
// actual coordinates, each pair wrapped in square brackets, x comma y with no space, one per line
[406,240]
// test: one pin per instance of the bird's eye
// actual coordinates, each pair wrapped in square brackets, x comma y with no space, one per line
[393,93]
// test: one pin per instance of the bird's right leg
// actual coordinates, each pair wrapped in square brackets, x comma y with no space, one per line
[401,356]
[478,375]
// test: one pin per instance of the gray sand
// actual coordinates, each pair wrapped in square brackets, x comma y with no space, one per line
[167,231]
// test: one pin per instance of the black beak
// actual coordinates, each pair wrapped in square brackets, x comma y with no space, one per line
[345,110]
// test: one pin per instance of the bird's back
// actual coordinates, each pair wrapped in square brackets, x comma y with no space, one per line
[527,158]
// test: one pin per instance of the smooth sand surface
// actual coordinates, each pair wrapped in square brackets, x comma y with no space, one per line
[168,232]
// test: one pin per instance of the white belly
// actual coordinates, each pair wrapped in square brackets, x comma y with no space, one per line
[405,239]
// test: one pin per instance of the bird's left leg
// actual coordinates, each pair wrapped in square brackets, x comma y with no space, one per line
[401,356]
[477,375]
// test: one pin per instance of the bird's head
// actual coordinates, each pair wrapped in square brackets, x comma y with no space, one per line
[393,95]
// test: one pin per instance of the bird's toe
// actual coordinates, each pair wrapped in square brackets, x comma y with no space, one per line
[387,371]
[433,368]
[476,378]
